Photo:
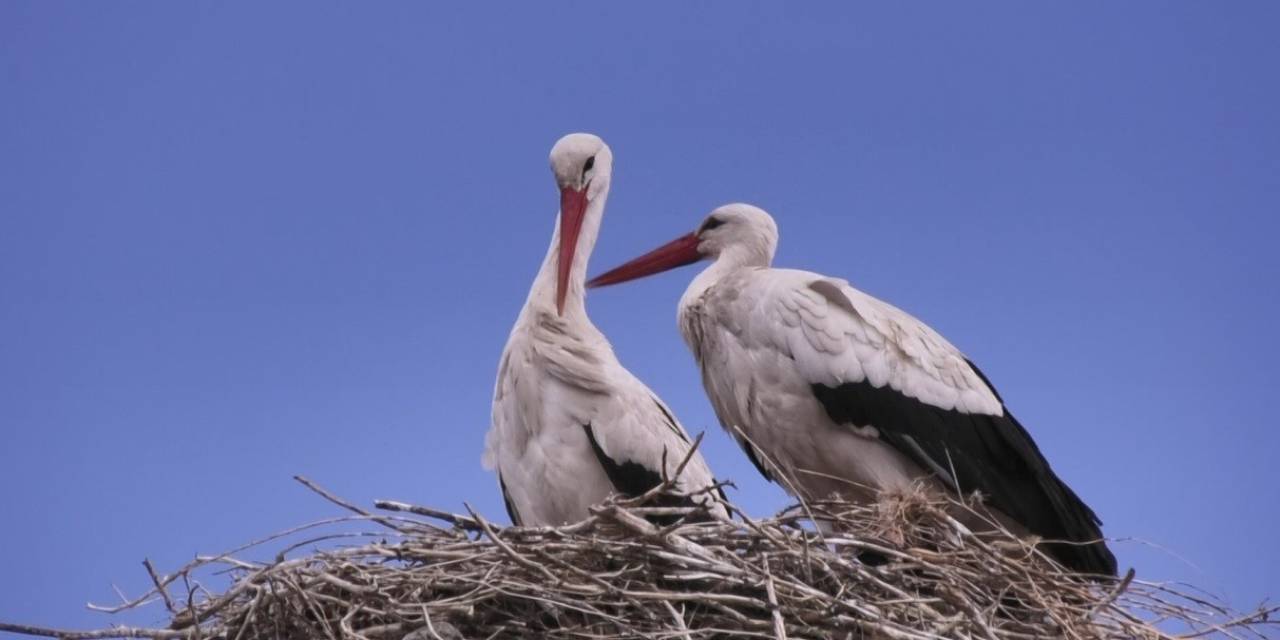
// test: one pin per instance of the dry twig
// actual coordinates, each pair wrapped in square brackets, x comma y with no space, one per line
[440,575]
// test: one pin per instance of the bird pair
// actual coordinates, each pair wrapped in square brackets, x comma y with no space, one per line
[827,389]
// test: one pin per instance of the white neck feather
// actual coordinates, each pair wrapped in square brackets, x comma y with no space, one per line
[732,259]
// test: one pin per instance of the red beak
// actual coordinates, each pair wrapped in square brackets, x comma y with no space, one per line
[573,207]
[677,253]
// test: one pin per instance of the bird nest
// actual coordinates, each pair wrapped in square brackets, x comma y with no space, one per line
[904,568]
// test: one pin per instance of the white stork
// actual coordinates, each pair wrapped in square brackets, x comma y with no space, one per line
[571,425]
[845,393]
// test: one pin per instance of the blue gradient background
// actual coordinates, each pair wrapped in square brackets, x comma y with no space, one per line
[243,241]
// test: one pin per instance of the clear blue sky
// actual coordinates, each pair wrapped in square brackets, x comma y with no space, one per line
[243,241]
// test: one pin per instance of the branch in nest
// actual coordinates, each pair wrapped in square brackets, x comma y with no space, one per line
[438,575]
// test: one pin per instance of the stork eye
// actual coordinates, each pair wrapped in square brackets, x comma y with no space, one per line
[591,162]
[710,224]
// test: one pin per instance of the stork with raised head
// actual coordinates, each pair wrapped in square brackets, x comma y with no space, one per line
[844,393]
[571,425]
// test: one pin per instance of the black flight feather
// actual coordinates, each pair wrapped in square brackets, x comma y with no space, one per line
[506,501]
[633,479]
[993,455]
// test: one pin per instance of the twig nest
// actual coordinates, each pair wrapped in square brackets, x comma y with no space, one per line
[416,573]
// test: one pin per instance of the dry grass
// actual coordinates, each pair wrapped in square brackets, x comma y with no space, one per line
[428,574]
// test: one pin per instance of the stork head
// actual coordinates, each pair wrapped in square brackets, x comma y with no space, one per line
[738,227]
[741,231]
[582,164]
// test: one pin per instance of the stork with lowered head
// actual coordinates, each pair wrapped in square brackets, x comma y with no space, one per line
[570,424]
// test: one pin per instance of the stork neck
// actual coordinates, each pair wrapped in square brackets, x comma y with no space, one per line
[542,297]
[731,260]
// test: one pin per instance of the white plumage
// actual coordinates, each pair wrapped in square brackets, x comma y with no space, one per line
[571,425]
[831,390]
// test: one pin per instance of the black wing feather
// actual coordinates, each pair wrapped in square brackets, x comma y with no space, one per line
[629,478]
[754,457]
[991,454]
[506,501]
[633,479]
[669,419]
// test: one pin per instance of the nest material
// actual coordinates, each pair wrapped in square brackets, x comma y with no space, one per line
[904,569]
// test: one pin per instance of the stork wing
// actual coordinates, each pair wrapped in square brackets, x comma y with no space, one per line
[871,364]
[567,406]
[639,443]
[840,334]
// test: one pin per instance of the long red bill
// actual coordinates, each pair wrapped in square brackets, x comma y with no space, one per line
[677,253]
[573,207]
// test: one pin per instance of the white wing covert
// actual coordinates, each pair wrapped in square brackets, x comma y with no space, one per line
[639,443]
[838,334]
